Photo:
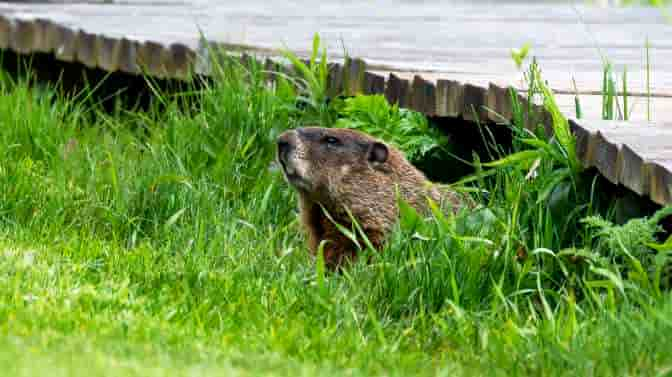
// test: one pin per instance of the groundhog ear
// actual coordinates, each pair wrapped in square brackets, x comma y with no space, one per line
[378,152]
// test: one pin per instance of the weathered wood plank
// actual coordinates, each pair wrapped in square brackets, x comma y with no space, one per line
[632,171]
[150,56]
[582,136]
[22,36]
[454,98]
[442,98]
[86,49]
[64,42]
[474,100]
[373,83]
[660,180]
[128,56]
[354,73]
[5,30]
[397,91]
[335,80]
[499,103]
[423,96]
[41,42]
[604,156]
[183,59]
[108,50]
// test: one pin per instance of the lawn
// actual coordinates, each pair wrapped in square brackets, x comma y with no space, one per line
[161,241]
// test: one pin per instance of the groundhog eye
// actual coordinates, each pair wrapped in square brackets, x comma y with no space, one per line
[331,140]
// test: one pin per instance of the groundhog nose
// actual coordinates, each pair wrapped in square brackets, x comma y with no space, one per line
[284,145]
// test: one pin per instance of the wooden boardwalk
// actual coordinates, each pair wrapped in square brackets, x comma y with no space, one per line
[441,58]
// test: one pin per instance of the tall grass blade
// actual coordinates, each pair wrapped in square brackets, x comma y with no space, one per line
[577,101]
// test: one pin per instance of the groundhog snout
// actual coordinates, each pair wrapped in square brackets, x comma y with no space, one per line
[286,143]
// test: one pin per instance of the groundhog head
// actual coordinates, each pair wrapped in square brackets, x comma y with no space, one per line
[314,160]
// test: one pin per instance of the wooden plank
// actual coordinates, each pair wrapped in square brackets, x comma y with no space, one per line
[108,51]
[632,171]
[41,42]
[397,91]
[335,80]
[582,136]
[22,36]
[86,49]
[150,57]
[442,98]
[373,83]
[474,100]
[167,63]
[660,181]
[5,30]
[128,56]
[499,104]
[423,96]
[604,156]
[454,98]
[354,76]
[64,42]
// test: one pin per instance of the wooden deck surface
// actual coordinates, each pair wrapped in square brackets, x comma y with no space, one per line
[424,43]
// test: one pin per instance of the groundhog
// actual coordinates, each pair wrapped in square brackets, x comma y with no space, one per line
[341,169]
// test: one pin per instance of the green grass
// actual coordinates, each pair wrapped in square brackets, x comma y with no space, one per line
[162,242]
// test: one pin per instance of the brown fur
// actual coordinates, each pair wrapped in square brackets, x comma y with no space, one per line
[343,169]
